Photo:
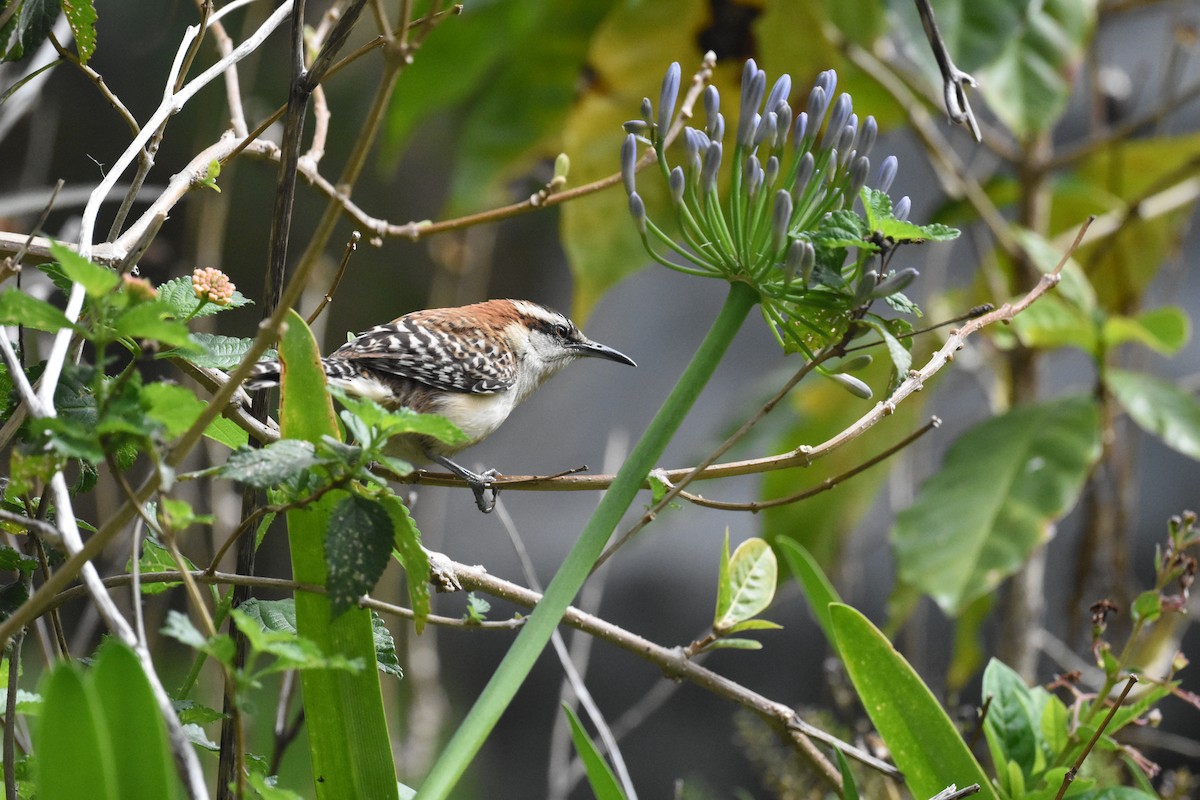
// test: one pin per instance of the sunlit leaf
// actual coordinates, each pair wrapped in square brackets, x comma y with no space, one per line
[1159,408]
[752,576]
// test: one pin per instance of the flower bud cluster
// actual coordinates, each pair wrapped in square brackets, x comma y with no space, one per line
[212,286]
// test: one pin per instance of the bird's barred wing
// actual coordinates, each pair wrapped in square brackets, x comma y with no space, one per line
[462,361]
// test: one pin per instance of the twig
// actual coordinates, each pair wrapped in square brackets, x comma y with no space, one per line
[957,794]
[351,247]
[823,486]
[955,80]
[1074,770]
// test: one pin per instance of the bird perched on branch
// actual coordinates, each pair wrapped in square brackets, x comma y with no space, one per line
[472,365]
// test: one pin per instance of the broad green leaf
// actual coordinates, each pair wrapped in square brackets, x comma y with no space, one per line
[12,560]
[179,296]
[153,321]
[1159,408]
[817,588]
[290,650]
[266,788]
[81,16]
[270,465]
[385,648]
[600,776]
[177,408]
[922,739]
[1000,489]
[142,760]
[155,558]
[1052,322]
[1164,330]
[31,25]
[1013,724]
[357,549]
[18,308]
[74,749]
[401,421]
[215,351]
[96,280]
[414,559]
[752,575]
[347,728]
[755,625]
[969,651]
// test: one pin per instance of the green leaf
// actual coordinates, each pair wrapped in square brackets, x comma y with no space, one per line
[209,181]
[96,280]
[1115,793]
[137,736]
[922,739]
[180,628]
[414,559]
[600,776]
[32,25]
[178,295]
[1012,725]
[849,789]
[357,549]
[752,575]
[81,16]
[1164,330]
[291,650]
[1159,408]
[270,465]
[385,648]
[177,408]
[1147,607]
[213,351]
[12,560]
[266,789]
[401,421]
[18,308]
[755,625]
[816,587]
[155,558]
[153,321]
[1001,487]
[1052,322]
[724,585]
[901,356]
[75,757]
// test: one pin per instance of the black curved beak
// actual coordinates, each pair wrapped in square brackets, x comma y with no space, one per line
[592,349]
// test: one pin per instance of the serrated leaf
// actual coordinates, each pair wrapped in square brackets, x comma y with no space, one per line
[153,321]
[180,628]
[1159,408]
[1001,487]
[270,465]
[752,576]
[922,739]
[385,648]
[178,295]
[155,558]
[18,308]
[600,776]
[412,556]
[12,560]
[1164,330]
[401,421]
[81,16]
[96,280]
[357,549]
[216,351]
[31,25]
[291,650]
[177,408]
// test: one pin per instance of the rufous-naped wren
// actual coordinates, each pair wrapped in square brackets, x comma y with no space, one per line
[472,365]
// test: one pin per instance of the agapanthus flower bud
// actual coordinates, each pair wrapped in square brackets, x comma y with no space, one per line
[629,163]
[752,176]
[858,176]
[751,103]
[867,136]
[212,285]
[804,174]
[718,131]
[799,128]
[801,259]
[902,208]
[827,80]
[886,174]
[636,126]
[855,364]
[647,111]
[845,142]
[676,184]
[667,98]
[818,104]
[898,282]
[780,91]
[852,384]
[783,113]
[772,170]
[837,120]
[749,70]
[866,286]
[781,218]
[693,147]
[638,209]
[708,171]
[712,107]
[766,129]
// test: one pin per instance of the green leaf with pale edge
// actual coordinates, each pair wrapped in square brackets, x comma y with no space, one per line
[1164,330]
[1001,487]
[921,738]
[180,297]
[270,465]
[357,549]
[81,16]
[96,280]
[600,776]
[816,586]
[347,728]
[752,575]
[18,308]
[1159,408]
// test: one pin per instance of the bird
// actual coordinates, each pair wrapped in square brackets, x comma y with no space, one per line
[471,364]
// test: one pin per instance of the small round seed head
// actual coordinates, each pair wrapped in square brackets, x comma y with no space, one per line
[902,208]
[667,98]
[212,285]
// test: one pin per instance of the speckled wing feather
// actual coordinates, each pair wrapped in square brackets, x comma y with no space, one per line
[461,360]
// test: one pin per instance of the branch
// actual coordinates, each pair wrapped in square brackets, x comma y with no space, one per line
[954,79]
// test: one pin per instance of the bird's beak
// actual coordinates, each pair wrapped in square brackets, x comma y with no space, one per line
[592,349]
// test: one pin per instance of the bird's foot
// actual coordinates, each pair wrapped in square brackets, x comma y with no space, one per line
[481,485]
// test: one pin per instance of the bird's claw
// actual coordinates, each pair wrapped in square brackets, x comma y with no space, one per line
[483,484]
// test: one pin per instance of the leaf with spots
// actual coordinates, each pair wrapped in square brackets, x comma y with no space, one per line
[357,549]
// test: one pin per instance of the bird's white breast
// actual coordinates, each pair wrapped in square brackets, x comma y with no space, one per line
[476,415]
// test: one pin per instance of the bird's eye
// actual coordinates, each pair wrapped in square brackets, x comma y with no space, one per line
[562,330]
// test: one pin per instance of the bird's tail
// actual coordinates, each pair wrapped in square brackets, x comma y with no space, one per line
[266,373]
